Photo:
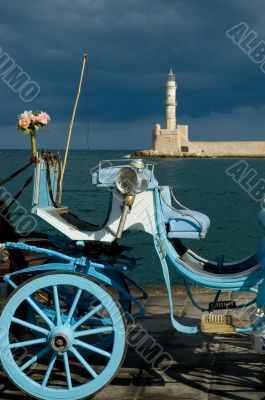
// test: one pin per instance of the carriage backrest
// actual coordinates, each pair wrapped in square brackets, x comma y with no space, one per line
[46,182]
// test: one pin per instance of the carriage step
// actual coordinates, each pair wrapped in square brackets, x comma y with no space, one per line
[217,323]
[222,305]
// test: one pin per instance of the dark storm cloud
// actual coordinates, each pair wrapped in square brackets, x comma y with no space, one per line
[131,45]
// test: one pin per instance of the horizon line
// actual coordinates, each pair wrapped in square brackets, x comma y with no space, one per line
[87,150]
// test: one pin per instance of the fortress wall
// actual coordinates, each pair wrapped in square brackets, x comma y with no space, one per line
[228,149]
[174,143]
[166,144]
[169,141]
[183,131]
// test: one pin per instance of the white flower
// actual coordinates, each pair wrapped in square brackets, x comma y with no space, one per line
[26,115]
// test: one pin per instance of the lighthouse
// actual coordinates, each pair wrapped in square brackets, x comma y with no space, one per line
[173,138]
[171,103]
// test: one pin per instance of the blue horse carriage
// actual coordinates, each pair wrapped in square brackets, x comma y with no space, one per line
[65,323]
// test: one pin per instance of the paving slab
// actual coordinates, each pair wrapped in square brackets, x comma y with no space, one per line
[199,367]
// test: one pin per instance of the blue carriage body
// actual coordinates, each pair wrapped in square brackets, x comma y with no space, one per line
[67,316]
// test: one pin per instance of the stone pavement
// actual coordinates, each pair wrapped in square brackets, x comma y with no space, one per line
[203,367]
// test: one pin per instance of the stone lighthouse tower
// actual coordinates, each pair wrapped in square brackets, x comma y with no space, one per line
[173,138]
[171,103]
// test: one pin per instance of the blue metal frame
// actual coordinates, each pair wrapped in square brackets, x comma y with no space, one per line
[75,271]
[226,282]
[82,265]
[105,273]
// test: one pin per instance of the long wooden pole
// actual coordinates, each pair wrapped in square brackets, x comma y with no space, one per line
[72,119]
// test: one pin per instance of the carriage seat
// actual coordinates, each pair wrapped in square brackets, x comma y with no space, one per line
[183,223]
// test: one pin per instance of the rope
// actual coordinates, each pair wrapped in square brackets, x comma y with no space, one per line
[17,172]
[48,174]
[17,195]
[58,194]
[52,158]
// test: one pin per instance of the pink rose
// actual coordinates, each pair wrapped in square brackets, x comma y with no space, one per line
[43,118]
[34,118]
[24,123]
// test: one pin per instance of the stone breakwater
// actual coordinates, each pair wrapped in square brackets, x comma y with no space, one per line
[172,140]
[158,154]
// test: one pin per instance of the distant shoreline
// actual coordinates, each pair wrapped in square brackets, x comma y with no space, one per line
[155,154]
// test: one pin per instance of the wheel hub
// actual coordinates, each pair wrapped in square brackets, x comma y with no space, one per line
[59,342]
[61,338]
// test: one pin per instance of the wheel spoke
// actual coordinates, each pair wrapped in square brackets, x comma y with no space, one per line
[30,326]
[92,348]
[67,370]
[83,362]
[40,312]
[35,358]
[27,343]
[90,332]
[74,336]
[49,370]
[73,307]
[88,315]
[57,304]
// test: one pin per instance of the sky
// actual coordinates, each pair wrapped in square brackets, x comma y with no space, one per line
[131,45]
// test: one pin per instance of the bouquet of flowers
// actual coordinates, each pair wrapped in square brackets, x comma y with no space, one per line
[30,122]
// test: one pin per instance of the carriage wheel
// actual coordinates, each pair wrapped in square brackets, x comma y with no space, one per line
[56,365]
[66,298]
